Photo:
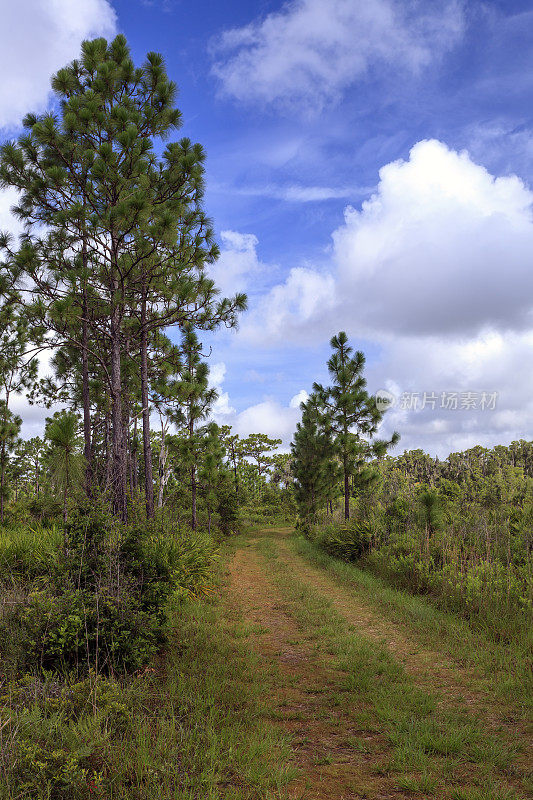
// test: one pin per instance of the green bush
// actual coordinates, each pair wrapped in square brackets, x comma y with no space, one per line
[27,552]
[53,733]
[348,541]
[227,508]
[97,598]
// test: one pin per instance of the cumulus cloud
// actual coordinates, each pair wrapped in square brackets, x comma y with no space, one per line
[434,270]
[8,223]
[299,307]
[221,407]
[311,51]
[415,369]
[36,39]
[268,416]
[442,247]
[237,263]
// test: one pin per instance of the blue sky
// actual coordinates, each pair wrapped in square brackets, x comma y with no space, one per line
[369,165]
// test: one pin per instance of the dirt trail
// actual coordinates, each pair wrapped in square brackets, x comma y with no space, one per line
[430,668]
[337,746]
[337,756]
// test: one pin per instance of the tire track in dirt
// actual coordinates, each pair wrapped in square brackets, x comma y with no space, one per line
[430,669]
[337,754]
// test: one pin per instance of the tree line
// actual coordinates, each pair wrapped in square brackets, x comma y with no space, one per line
[114,255]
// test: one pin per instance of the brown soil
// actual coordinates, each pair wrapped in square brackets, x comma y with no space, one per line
[337,757]
[430,668]
[339,750]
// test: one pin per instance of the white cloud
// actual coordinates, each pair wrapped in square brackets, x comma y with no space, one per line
[221,406]
[237,263]
[307,298]
[311,51]
[301,397]
[36,39]
[299,193]
[8,223]
[269,416]
[491,362]
[442,247]
[434,270]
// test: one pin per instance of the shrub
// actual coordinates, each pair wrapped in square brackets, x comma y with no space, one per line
[227,508]
[28,552]
[348,541]
[100,601]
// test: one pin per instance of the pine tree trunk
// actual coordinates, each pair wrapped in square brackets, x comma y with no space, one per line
[3,464]
[87,449]
[147,448]
[2,481]
[119,468]
[346,494]
[163,474]
[193,497]
[135,466]
[65,493]
[108,451]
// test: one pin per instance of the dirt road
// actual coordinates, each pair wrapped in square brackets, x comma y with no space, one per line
[371,712]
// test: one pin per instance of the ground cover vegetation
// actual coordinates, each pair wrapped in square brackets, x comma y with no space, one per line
[459,530]
[124,673]
[107,526]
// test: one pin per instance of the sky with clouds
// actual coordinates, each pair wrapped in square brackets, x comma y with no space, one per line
[370,165]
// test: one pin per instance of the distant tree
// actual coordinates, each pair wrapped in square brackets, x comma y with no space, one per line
[9,430]
[234,452]
[259,447]
[18,372]
[194,398]
[65,458]
[353,413]
[210,467]
[313,458]
[282,470]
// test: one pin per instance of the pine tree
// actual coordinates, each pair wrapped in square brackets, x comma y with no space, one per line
[194,399]
[18,372]
[65,459]
[211,467]
[354,415]
[313,458]
[9,430]
[259,447]
[128,240]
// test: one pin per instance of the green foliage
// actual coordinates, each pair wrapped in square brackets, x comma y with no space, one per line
[336,434]
[28,552]
[349,541]
[459,531]
[227,506]
[95,597]
[314,462]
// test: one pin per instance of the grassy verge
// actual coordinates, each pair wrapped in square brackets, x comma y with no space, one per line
[192,725]
[435,751]
[506,668]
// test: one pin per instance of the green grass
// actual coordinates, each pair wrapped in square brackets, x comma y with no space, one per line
[193,726]
[431,745]
[506,668]
[27,551]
